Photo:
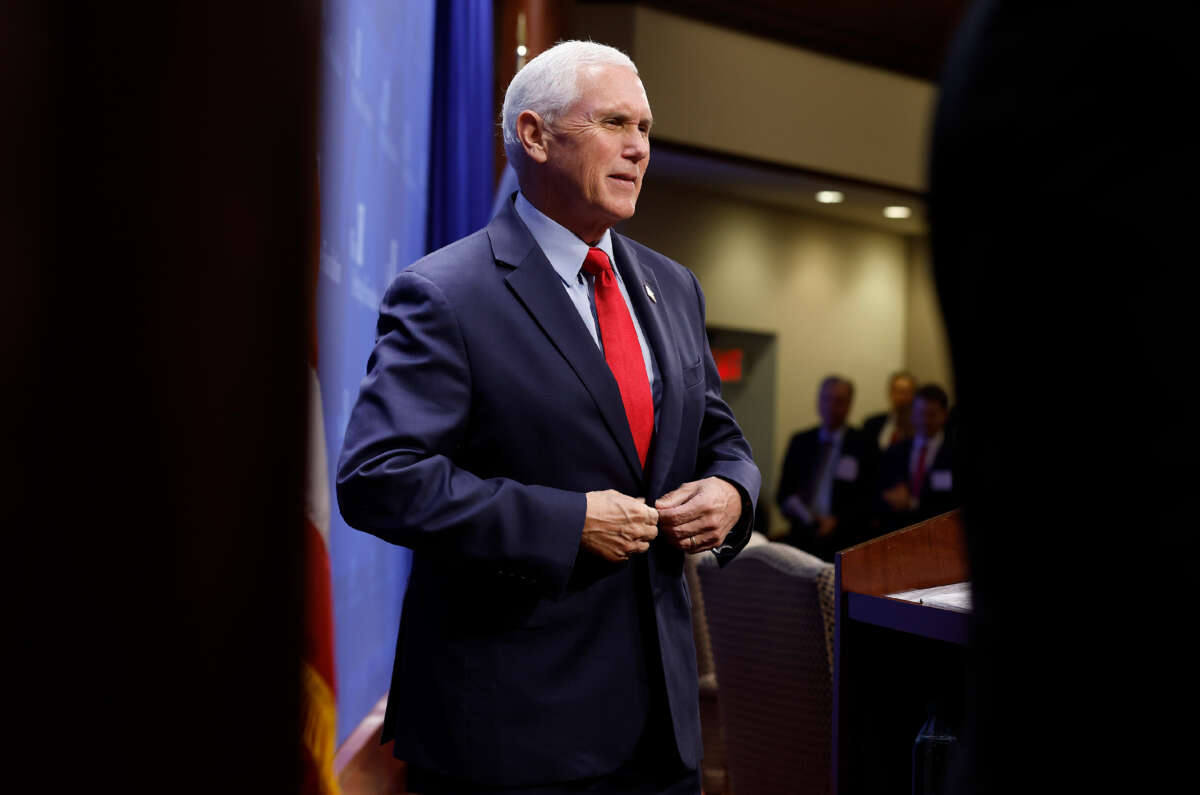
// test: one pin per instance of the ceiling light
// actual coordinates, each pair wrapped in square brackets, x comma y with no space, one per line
[521,50]
[830,196]
[897,211]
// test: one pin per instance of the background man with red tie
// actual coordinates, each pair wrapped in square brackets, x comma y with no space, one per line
[917,477]
[541,423]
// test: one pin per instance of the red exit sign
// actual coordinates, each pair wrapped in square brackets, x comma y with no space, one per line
[729,363]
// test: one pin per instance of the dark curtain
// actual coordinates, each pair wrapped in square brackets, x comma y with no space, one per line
[1056,145]
[158,371]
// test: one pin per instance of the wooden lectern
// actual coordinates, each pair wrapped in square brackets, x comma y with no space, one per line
[895,660]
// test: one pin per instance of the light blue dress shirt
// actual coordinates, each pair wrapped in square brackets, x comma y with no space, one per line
[566,253]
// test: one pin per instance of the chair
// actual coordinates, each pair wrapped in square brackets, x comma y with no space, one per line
[713,774]
[770,621]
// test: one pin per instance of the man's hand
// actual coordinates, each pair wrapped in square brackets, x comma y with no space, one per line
[617,526]
[898,497]
[699,514]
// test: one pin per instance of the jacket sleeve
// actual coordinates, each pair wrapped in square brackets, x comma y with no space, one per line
[396,475]
[723,450]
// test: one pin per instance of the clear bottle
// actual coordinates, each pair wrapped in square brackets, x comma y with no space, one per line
[933,750]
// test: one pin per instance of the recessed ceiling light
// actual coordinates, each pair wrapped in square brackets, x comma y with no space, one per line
[897,211]
[830,196]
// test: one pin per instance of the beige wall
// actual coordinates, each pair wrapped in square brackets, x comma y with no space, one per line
[926,350]
[837,295]
[731,92]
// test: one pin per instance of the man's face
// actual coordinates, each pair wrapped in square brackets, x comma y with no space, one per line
[900,395]
[597,151]
[833,404]
[928,417]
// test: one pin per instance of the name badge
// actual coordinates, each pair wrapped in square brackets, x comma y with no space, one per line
[941,480]
[847,468]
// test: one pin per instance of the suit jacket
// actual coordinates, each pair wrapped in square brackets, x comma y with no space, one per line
[873,426]
[487,412]
[938,490]
[853,489]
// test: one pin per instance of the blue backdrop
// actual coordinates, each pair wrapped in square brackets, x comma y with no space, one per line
[378,116]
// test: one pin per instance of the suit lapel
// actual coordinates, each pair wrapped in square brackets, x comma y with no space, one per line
[539,289]
[660,335]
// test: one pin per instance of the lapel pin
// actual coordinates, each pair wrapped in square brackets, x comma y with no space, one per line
[650,293]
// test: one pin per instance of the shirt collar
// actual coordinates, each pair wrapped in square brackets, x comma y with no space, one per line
[832,436]
[930,441]
[560,245]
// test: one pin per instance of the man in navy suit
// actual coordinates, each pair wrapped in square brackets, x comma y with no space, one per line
[827,484]
[917,475]
[541,423]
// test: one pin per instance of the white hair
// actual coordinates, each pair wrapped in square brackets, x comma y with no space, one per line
[549,84]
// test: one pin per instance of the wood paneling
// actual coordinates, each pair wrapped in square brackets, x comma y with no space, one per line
[538,24]
[921,556]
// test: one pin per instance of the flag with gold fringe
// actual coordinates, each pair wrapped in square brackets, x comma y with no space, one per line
[318,697]
[318,703]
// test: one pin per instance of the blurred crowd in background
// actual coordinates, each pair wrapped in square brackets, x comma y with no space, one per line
[841,485]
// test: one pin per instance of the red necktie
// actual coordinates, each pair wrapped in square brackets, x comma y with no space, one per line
[622,350]
[918,475]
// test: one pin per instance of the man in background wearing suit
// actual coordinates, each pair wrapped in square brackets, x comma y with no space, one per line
[826,486]
[889,427]
[541,423]
[916,475]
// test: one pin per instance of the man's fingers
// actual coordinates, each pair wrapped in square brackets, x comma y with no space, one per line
[689,521]
[617,526]
[702,500]
[642,532]
[694,508]
[628,547]
[677,497]
[687,510]
[687,532]
[701,520]
[641,522]
[683,527]
[677,519]
[638,511]
[700,543]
